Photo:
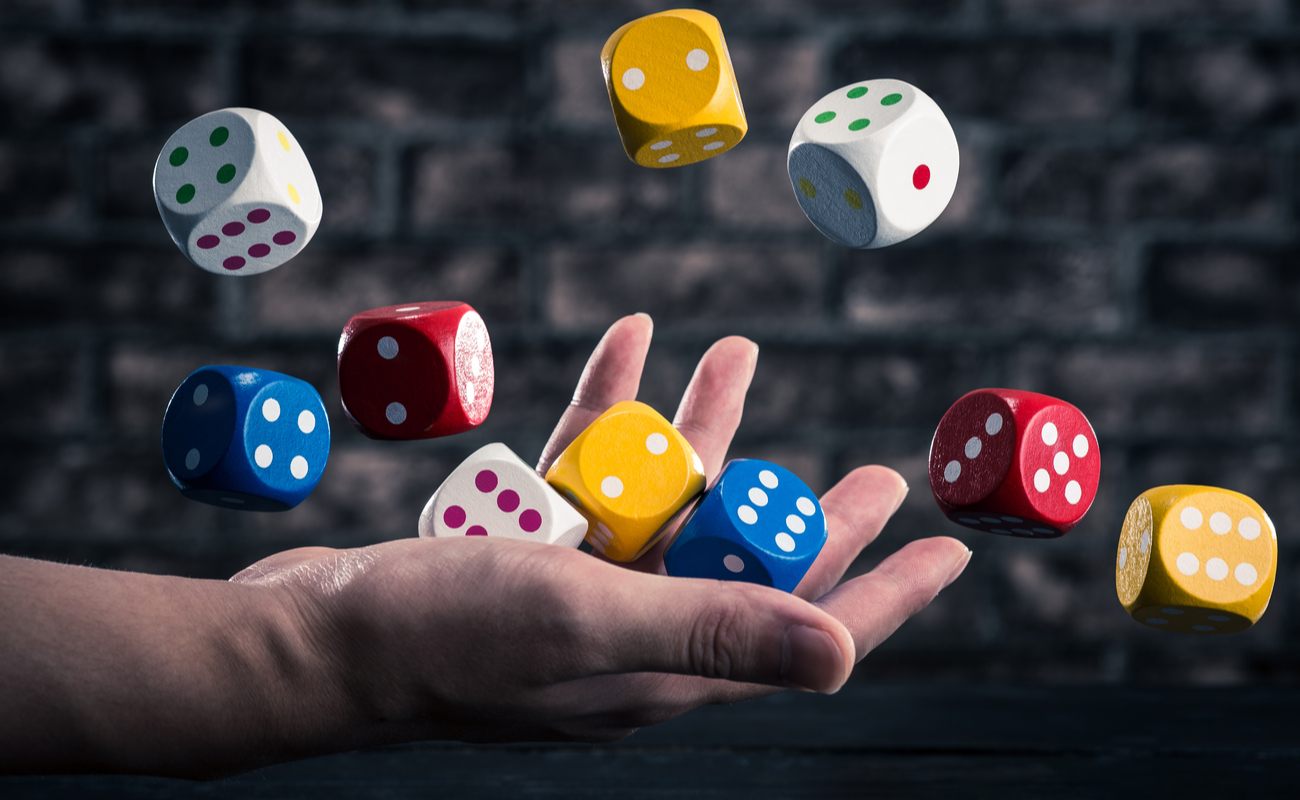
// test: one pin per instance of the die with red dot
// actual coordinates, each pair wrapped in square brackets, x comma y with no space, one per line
[494,493]
[416,371]
[1015,463]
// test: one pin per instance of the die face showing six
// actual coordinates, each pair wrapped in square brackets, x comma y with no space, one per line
[416,371]
[628,472]
[245,439]
[236,192]
[873,163]
[673,89]
[1196,559]
[494,493]
[759,523]
[1014,463]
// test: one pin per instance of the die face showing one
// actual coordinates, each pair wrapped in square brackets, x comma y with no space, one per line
[245,438]
[416,371]
[1196,559]
[759,523]
[494,493]
[673,89]
[1014,463]
[236,192]
[628,472]
[873,163]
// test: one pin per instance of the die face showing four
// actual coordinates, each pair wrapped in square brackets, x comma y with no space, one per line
[1196,559]
[236,192]
[494,493]
[1014,463]
[245,438]
[758,523]
[416,371]
[873,163]
[673,89]
[628,472]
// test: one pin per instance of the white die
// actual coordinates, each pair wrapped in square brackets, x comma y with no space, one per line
[494,493]
[236,192]
[873,163]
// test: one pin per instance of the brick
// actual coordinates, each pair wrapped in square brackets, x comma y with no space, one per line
[750,189]
[984,286]
[1219,82]
[779,78]
[40,10]
[1122,12]
[1202,287]
[683,284]
[38,181]
[889,12]
[577,97]
[882,386]
[227,10]
[41,387]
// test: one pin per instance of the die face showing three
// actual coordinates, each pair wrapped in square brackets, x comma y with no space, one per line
[1014,463]
[416,371]
[246,439]
[494,493]
[673,89]
[873,163]
[1196,559]
[628,472]
[236,192]
[759,523]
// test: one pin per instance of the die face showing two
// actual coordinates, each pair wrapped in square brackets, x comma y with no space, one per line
[873,163]
[494,493]
[236,192]
[673,89]
[245,438]
[759,523]
[416,371]
[628,472]
[1014,463]
[1196,559]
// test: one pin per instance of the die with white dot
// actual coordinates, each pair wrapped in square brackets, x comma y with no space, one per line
[1196,559]
[244,438]
[1015,463]
[236,192]
[873,163]
[673,89]
[759,523]
[494,493]
[416,371]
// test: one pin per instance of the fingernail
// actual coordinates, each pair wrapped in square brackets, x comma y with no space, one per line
[810,659]
[958,569]
[901,497]
[644,316]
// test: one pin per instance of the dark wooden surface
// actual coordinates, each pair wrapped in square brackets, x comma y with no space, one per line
[896,741]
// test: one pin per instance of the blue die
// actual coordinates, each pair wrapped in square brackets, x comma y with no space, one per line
[759,523]
[245,438]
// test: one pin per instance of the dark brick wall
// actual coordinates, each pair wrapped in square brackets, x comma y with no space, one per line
[1123,235]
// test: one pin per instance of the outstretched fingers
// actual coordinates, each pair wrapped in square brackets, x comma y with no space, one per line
[857,509]
[714,401]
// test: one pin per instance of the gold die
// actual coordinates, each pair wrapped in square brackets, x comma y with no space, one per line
[628,473]
[673,89]
[1196,559]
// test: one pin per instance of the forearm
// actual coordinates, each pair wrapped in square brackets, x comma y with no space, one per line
[117,671]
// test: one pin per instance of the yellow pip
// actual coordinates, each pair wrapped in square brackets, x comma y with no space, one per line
[628,473]
[1196,559]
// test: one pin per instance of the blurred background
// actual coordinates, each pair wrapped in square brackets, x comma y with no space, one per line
[1123,236]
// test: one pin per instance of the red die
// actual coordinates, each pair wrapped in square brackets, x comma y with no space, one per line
[416,371]
[1016,463]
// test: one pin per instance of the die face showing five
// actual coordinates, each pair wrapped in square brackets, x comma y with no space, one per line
[236,192]
[759,523]
[1196,559]
[494,493]
[873,163]
[1014,463]
[245,438]
[673,89]
[416,371]
[628,472]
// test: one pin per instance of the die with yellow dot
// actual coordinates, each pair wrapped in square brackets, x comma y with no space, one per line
[1196,559]
[628,473]
[673,89]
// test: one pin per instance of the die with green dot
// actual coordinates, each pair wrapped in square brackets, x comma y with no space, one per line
[236,192]
[873,163]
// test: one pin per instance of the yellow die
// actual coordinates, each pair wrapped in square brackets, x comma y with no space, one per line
[673,89]
[628,472]
[1196,559]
